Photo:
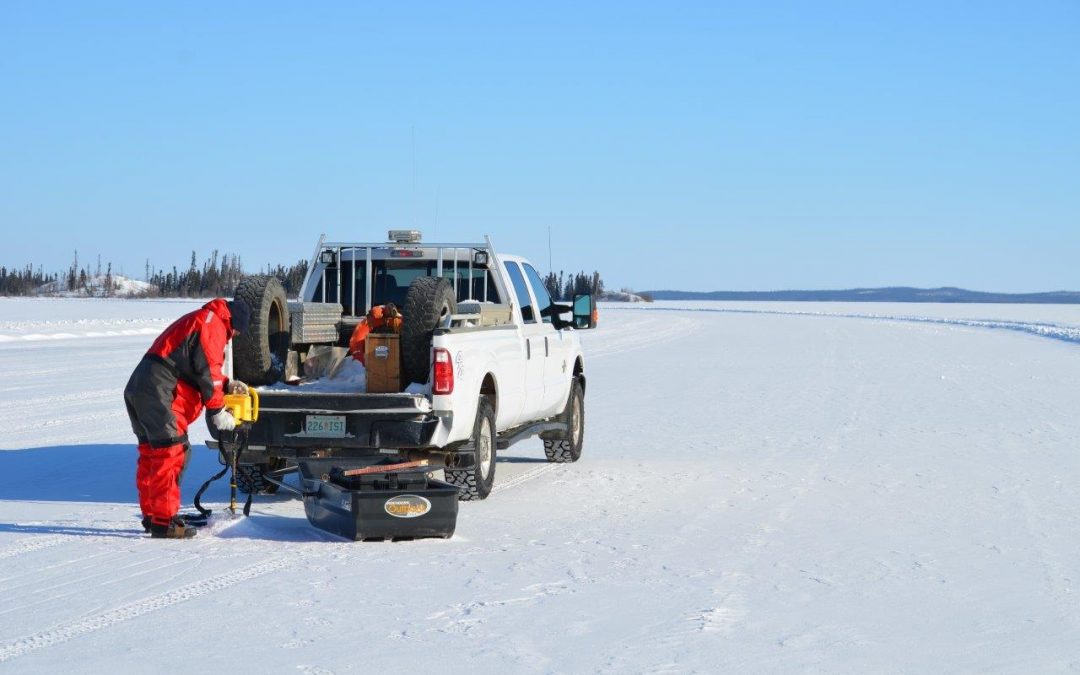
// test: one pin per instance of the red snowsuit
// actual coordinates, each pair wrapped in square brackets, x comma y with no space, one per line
[179,374]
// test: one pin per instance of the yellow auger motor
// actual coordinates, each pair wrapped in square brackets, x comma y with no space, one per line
[244,407]
[245,410]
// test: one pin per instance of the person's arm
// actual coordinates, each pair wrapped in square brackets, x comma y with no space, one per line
[209,358]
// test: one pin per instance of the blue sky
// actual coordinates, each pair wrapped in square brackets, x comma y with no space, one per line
[699,146]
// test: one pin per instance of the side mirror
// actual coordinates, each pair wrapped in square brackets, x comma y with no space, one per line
[585,315]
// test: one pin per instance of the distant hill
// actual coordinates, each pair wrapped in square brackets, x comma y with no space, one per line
[622,296]
[897,294]
[99,287]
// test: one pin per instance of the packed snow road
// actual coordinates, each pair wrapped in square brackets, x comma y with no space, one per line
[758,493]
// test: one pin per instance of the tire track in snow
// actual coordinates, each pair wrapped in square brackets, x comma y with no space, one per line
[525,477]
[34,425]
[730,605]
[73,629]
[636,335]
[35,544]
[59,590]
[87,335]
[50,402]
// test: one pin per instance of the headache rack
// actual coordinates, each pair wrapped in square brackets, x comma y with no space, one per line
[334,269]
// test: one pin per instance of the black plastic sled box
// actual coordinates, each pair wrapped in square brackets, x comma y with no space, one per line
[404,504]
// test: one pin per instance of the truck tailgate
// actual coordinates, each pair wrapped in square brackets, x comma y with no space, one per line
[301,420]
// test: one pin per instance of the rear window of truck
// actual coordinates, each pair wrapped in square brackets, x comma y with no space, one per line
[392,279]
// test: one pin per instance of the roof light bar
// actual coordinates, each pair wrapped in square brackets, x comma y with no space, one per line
[404,236]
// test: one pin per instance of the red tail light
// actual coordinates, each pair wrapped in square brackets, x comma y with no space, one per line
[444,373]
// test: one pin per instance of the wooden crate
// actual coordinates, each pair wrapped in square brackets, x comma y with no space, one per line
[382,357]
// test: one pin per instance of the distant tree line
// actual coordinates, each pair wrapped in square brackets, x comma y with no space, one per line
[23,281]
[217,276]
[565,287]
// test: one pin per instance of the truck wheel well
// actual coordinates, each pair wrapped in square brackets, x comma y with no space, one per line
[579,373]
[488,390]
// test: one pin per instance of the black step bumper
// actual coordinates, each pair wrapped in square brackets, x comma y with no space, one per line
[372,423]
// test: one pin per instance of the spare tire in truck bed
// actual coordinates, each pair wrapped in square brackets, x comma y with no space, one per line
[428,302]
[259,353]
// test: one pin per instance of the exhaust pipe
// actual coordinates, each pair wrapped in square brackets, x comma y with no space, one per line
[436,460]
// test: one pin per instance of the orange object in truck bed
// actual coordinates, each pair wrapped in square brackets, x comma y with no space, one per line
[382,318]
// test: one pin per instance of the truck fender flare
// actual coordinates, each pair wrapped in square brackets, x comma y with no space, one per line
[489,386]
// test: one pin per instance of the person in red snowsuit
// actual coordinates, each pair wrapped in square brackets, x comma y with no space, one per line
[179,375]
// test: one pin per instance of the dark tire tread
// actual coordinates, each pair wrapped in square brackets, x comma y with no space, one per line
[249,479]
[559,447]
[427,302]
[254,350]
[471,484]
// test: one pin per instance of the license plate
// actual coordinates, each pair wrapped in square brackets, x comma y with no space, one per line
[327,426]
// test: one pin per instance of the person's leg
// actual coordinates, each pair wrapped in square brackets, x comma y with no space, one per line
[187,459]
[161,468]
[143,473]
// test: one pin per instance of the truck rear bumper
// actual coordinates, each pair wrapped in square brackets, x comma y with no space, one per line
[371,423]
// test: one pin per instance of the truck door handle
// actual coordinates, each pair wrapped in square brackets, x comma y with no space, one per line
[546,352]
[528,348]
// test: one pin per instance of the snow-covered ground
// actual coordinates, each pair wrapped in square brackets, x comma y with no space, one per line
[774,491]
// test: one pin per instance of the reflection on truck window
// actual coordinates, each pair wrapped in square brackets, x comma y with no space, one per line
[543,300]
[521,290]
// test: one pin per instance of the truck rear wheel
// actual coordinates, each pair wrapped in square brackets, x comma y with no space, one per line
[476,482]
[566,446]
[428,301]
[259,353]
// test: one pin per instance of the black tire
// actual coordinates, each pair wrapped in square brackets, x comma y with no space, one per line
[563,447]
[249,477]
[427,302]
[476,482]
[259,353]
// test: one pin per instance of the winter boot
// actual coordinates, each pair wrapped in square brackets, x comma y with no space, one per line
[146,523]
[174,530]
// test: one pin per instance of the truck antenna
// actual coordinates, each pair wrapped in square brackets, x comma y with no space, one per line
[435,235]
[549,249]
[412,133]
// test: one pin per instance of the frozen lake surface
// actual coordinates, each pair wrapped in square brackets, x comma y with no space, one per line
[765,487]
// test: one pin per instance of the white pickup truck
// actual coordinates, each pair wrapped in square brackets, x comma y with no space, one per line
[487,359]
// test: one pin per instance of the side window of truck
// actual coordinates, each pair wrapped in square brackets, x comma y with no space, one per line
[521,290]
[540,291]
